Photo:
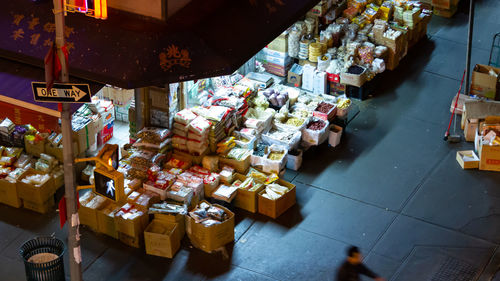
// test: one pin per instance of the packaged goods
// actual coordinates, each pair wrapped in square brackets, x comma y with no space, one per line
[200,126]
[225,193]
[184,116]
[274,191]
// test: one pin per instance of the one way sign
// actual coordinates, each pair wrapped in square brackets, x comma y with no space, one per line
[77,93]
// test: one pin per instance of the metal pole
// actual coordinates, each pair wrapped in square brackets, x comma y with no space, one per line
[69,169]
[469,47]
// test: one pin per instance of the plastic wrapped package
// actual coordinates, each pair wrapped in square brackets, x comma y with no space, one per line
[184,116]
[274,191]
[262,178]
[36,179]
[225,193]
[200,126]
[226,174]
[153,135]
[290,140]
[142,158]
[378,65]
[238,153]
[14,175]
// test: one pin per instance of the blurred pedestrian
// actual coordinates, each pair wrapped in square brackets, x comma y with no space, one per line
[353,267]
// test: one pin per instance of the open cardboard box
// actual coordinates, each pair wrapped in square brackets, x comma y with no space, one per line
[161,238]
[106,220]
[467,159]
[9,193]
[246,199]
[275,208]
[213,237]
[35,194]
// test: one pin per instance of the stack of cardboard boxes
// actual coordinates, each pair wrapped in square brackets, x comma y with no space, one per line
[481,125]
[275,57]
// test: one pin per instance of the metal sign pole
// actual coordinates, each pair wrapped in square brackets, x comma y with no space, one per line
[69,169]
[469,47]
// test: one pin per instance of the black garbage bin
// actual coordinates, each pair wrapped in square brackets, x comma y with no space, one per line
[43,259]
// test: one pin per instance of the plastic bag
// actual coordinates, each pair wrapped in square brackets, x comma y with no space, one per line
[184,116]
[153,135]
[200,126]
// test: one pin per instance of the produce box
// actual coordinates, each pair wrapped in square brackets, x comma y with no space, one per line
[57,152]
[106,219]
[211,238]
[179,219]
[132,227]
[447,13]
[42,208]
[34,148]
[490,157]
[133,241]
[89,204]
[354,79]
[8,193]
[483,83]
[275,166]
[467,159]
[161,238]
[294,161]
[275,208]
[246,199]
[241,166]
[35,194]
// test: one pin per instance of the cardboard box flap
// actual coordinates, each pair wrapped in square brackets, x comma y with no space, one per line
[481,109]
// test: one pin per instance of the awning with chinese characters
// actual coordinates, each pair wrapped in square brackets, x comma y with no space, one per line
[204,39]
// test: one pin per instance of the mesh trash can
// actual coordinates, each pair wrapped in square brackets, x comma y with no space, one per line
[43,259]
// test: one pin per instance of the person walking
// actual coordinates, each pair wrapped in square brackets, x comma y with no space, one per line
[353,267]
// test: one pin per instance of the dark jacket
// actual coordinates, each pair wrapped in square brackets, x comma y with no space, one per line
[351,272]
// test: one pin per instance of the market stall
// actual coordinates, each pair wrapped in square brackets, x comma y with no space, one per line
[213,145]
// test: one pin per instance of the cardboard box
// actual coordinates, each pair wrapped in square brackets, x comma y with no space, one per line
[467,163]
[275,208]
[8,194]
[446,13]
[37,194]
[295,75]
[133,241]
[483,84]
[246,199]
[470,128]
[106,219]
[179,219]
[240,166]
[132,227]
[161,238]
[279,44]
[353,79]
[34,148]
[444,4]
[159,98]
[42,208]
[211,238]
[475,112]
[88,211]
[57,152]
[490,157]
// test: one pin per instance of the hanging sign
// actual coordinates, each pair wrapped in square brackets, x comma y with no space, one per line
[73,93]
[97,9]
